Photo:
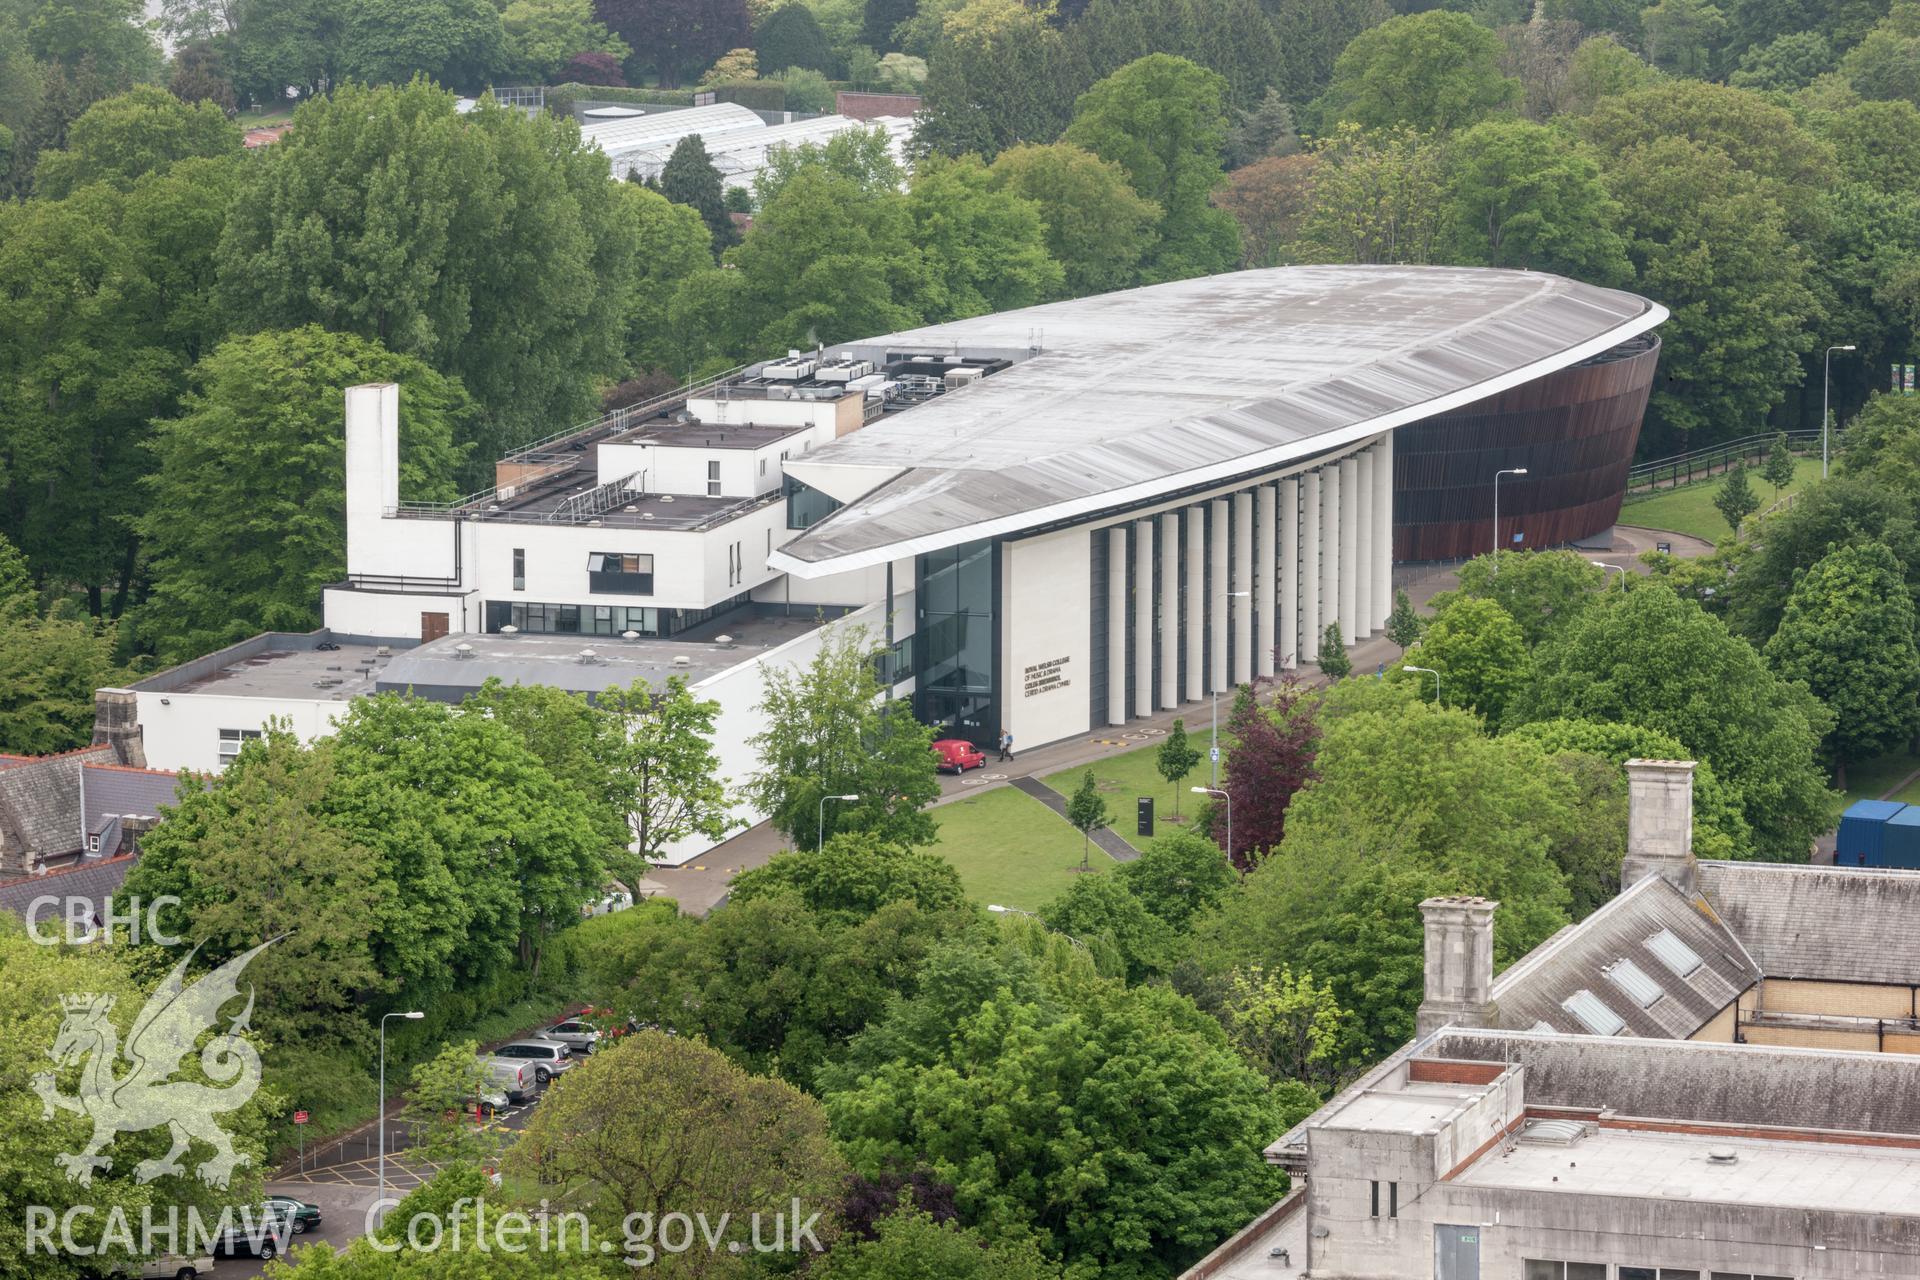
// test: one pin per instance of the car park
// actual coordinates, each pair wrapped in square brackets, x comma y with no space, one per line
[957,755]
[576,1035]
[548,1058]
[257,1233]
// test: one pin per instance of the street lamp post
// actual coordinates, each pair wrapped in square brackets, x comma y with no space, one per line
[1000,910]
[1603,566]
[412,1015]
[1215,791]
[1826,394]
[1429,671]
[1505,471]
[1213,752]
[820,828]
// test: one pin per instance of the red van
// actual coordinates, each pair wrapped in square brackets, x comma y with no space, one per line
[958,755]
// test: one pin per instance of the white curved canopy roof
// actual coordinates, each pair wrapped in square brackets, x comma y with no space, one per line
[1148,391]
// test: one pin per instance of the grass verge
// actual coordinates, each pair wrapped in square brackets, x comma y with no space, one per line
[1009,848]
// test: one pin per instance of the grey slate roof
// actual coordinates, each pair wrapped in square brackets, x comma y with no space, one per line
[95,880]
[1149,390]
[115,791]
[40,802]
[1683,1080]
[1844,924]
[1534,989]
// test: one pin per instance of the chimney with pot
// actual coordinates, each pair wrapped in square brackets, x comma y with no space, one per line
[1660,824]
[116,720]
[1459,961]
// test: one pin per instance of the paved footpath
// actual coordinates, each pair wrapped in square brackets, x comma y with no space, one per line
[701,885]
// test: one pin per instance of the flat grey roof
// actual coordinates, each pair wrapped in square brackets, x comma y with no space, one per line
[276,672]
[705,435]
[1766,1172]
[1147,391]
[437,669]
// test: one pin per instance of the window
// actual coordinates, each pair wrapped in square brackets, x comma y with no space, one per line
[713,478]
[1374,1211]
[231,740]
[1675,954]
[623,574]
[1657,1273]
[1393,1199]
[763,466]
[806,505]
[1742,1275]
[1548,1269]
[1633,980]
[519,568]
[1594,1014]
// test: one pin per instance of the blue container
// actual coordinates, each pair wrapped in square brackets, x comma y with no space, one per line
[1862,839]
[1900,839]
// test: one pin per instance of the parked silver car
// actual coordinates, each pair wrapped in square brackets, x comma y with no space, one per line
[508,1081]
[573,1033]
[548,1058]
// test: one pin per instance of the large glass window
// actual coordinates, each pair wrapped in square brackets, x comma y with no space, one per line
[806,505]
[621,574]
[231,740]
[519,569]
[956,642]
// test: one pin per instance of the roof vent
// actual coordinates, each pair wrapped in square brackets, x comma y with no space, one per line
[629,635]
[725,642]
[666,497]
[383,651]
[463,650]
[588,657]
[509,630]
[646,515]
[1722,1155]
[682,660]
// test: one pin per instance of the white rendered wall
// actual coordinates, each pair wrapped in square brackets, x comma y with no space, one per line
[1195,521]
[1350,629]
[1289,630]
[1266,579]
[1242,607]
[1217,621]
[1116,624]
[390,614]
[1363,558]
[1169,608]
[1383,529]
[1045,581]
[182,730]
[1311,577]
[1143,618]
[744,473]
[1330,500]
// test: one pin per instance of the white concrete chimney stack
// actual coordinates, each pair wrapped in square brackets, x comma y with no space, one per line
[1660,824]
[1459,963]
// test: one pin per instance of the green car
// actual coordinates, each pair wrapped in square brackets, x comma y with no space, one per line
[305,1216]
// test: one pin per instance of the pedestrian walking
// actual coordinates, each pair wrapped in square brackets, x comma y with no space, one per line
[1006,745]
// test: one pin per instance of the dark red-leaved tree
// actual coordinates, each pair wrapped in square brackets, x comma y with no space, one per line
[1270,758]
[677,38]
[594,67]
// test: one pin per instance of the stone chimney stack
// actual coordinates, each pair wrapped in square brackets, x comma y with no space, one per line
[116,719]
[1660,824]
[1459,933]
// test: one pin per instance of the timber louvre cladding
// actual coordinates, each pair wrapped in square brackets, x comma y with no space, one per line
[1574,430]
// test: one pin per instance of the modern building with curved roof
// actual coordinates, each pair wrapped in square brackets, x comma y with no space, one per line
[1055,519]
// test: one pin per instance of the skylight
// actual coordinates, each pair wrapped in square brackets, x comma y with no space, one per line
[1674,954]
[1633,980]
[1594,1013]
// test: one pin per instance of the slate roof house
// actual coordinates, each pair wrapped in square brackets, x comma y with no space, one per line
[1712,1077]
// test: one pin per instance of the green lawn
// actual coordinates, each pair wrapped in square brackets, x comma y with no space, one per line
[1127,775]
[1009,848]
[1690,509]
[1868,781]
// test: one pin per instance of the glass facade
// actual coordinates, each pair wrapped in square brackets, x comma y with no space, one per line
[957,642]
[600,619]
[620,574]
[806,505]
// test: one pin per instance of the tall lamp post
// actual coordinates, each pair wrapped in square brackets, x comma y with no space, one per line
[412,1015]
[1429,671]
[1826,395]
[820,827]
[1213,747]
[1505,471]
[1603,566]
[999,910]
[1215,791]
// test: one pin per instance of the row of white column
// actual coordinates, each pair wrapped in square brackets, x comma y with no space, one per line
[1307,551]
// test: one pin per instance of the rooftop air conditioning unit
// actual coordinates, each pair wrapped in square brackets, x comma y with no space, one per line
[963,377]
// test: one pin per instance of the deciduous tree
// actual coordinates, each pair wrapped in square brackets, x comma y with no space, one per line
[1433,71]
[1523,197]
[1179,877]
[1480,653]
[455,43]
[1175,759]
[676,38]
[1780,466]
[792,38]
[542,36]
[144,130]
[1095,226]
[1848,634]
[1269,199]
[259,438]
[1272,759]
[1403,624]
[1086,809]
[1162,119]
[984,245]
